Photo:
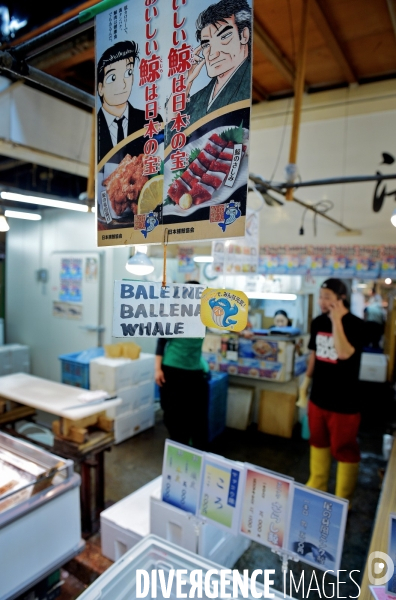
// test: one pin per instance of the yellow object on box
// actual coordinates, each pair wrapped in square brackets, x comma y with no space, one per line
[224,309]
[130,350]
[113,350]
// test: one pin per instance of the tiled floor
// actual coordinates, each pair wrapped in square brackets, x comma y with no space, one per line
[139,460]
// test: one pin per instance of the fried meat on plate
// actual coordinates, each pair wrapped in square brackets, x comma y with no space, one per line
[125,183]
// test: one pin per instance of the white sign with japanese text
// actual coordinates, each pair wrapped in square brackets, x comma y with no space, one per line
[149,310]
[181,476]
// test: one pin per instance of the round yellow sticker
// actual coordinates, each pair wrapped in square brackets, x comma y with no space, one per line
[224,309]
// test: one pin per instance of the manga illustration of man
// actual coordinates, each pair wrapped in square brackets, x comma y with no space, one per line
[117,118]
[223,31]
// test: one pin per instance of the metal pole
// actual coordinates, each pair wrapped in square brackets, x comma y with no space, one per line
[50,38]
[23,71]
[335,180]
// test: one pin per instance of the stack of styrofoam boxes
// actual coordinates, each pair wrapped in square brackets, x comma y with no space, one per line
[14,358]
[133,382]
[125,523]
[128,521]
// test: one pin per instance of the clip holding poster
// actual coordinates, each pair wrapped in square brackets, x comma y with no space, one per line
[224,309]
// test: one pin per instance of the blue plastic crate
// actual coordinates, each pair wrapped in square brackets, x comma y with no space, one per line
[217,404]
[75,366]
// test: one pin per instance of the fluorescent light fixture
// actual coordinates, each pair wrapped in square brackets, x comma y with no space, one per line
[203,259]
[388,280]
[270,296]
[393,218]
[93,209]
[3,223]
[15,214]
[139,264]
[43,201]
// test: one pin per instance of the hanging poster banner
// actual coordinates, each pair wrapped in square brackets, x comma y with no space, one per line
[181,476]
[391,583]
[266,507]
[172,122]
[150,310]
[221,492]
[317,527]
[224,309]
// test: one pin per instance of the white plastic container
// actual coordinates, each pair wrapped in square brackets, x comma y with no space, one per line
[14,358]
[239,405]
[119,581]
[187,531]
[373,367]
[128,521]
[132,423]
[133,398]
[113,374]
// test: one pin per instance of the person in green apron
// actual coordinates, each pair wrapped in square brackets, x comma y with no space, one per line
[181,374]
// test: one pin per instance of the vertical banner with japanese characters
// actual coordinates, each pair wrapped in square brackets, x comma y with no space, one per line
[173,118]
[181,476]
[266,507]
[130,148]
[317,527]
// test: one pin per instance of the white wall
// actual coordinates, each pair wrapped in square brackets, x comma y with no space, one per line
[342,133]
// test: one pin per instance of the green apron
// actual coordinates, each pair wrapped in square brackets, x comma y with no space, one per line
[185,353]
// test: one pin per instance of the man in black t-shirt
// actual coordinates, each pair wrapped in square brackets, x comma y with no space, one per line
[333,411]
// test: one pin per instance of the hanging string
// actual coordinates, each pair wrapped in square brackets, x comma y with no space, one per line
[165,247]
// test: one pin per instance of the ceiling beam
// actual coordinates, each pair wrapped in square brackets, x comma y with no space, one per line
[392,13]
[267,46]
[76,58]
[331,41]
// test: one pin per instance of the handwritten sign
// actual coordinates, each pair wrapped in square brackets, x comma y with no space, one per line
[224,309]
[150,310]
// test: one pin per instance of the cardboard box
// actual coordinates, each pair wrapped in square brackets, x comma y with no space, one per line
[112,374]
[133,398]
[277,413]
[239,406]
[132,423]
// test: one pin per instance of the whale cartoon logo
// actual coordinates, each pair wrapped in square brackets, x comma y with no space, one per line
[222,311]
[231,214]
[151,223]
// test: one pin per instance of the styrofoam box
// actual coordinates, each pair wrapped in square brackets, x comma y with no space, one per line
[133,398]
[113,374]
[119,581]
[373,367]
[14,358]
[185,530]
[132,423]
[239,403]
[128,521]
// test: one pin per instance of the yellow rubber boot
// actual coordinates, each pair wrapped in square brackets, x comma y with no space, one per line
[319,463]
[347,474]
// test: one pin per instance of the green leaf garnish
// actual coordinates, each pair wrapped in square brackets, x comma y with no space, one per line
[235,134]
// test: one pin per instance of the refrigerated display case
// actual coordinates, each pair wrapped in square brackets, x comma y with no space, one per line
[40,525]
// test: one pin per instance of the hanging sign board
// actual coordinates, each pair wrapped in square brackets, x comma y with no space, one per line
[317,527]
[224,309]
[181,476]
[172,126]
[150,310]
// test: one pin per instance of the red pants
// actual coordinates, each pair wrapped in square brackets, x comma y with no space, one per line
[335,430]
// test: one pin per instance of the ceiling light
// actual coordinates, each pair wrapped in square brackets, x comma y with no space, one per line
[141,248]
[139,264]
[3,223]
[270,296]
[203,259]
[388,280]
[15,214]
[393,218]
[43,201]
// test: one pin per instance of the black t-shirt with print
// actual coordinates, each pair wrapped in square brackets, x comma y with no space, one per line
[334,382]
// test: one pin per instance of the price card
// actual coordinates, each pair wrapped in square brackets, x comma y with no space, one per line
[317,527]
[181,476]
[266,507]
[221,493]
